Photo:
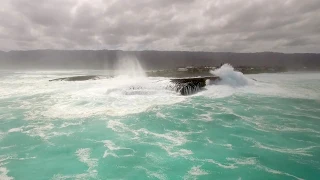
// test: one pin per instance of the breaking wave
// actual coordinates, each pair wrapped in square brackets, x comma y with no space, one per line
[231,77]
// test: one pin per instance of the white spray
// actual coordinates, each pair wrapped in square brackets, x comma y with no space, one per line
[231,77]
[129,66]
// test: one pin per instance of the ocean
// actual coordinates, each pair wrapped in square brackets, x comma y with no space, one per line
[261,126]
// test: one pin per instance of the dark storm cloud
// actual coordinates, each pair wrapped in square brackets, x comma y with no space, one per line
[197,25]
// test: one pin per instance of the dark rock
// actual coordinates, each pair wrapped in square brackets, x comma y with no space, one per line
[188,86]
[80,78]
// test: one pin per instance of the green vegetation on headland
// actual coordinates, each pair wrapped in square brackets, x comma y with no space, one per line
[205,71]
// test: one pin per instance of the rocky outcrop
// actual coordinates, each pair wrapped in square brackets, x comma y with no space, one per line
[188,86]
[184,86]
[81,78]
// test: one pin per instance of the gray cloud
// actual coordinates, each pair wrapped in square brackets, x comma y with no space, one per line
[196,25]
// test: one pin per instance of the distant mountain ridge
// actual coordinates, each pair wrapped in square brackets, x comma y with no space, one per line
[107,59]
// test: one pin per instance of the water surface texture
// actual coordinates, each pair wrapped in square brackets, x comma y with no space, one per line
[133,127]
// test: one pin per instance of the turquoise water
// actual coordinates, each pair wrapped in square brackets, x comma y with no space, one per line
[264,129]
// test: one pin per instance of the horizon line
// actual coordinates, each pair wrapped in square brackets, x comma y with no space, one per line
[156,51]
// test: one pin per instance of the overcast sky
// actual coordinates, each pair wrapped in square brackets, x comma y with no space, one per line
[193,25]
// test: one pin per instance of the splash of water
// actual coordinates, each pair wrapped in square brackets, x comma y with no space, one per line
[231,77]
[129,66]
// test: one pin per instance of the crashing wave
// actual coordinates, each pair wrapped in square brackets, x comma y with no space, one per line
[231,77]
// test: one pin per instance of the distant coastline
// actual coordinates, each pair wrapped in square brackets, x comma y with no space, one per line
[205,71]
[153,60]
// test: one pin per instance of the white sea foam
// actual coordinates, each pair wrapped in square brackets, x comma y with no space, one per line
[67,124]
[129,92]
[205,117]
[114,150]
[7,116]
[209,141]
[151,174]
[297,151]
[294,129]
[115,97]
[272,171]
[224,166]
[304,141]
[229,146]
[173,139]
[243,161]
[154,157]
[120,127]
[84,156]
[7,147]
[82,176]
[197,171]
[3,170]
[158,114]
[110,145]
[177,138]
[4,174]
[132,92]
[44,130]
[194,172]
[169,141]
[172,151]
[41,130]
[2,135]
[15,130]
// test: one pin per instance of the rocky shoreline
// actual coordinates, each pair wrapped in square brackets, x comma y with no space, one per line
[81,78]
[184,86]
